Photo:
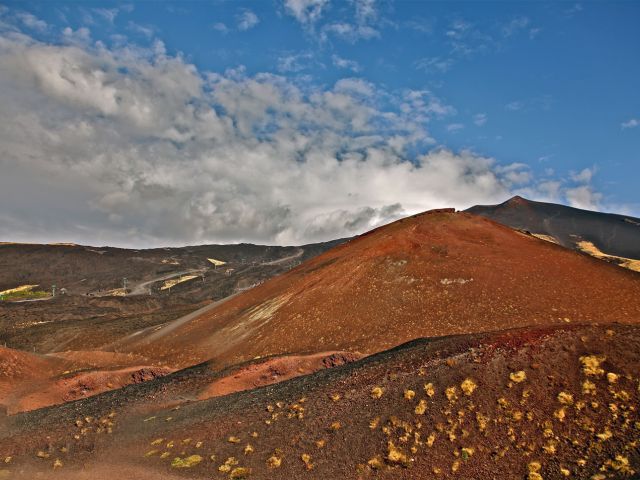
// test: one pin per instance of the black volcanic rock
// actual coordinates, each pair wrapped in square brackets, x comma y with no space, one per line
[613,234]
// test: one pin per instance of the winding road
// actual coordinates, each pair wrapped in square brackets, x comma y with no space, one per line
[144,287]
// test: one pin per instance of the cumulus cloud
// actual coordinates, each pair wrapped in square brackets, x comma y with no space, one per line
[305,11]
[361,22]
[351,32]
[247,20]
[131,146]
[583,176]
[583,196]
[81,35]
[296,62]
[631,123]
[31,21]
[340,62]
[575,190]
[480,119]
[220,27]
[515,174]
[365,23]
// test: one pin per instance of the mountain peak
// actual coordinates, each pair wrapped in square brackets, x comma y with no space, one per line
[516,199]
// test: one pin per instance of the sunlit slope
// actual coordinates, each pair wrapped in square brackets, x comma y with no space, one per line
[438,273]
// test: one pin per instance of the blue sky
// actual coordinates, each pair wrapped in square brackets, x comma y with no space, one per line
[492,98]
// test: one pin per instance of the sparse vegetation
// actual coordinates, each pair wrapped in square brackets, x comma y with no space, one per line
[23,292]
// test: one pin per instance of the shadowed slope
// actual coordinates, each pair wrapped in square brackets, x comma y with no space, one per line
[617,235]
[433,274]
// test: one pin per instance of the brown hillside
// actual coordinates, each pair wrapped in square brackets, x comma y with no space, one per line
[433,274]
[537,403]
[29,381]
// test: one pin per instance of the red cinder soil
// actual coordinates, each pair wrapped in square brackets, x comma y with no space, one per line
[434,274]
[275,370]
[30,381]
[18,369]
[541,402]
[65,388]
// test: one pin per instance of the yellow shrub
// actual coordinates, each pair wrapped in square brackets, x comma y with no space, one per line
[377,392]
[591,364]
[186,462]
[468,386]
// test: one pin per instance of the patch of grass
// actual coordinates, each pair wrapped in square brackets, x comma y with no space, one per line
[186,462]
[24,292]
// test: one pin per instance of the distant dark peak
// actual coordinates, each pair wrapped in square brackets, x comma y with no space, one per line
[517,200]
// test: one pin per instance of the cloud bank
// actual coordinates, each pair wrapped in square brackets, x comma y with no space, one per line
[131,146]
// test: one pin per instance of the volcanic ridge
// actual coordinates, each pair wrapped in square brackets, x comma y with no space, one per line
[443,345]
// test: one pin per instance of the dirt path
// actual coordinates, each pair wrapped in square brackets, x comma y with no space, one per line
[143,288]
[298,254]
[44,299]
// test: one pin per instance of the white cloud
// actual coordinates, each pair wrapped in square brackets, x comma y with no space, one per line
[145,30]
[576,190]
[583,196]
[365,24]
[305,11]
[366,11]
[295,62]
[31,21]
[583,176]
[515,174]
[247,20]
[515,26]
[540,102]
[551,190]
[351,32]
[514,106]
[81,35]
[465,39]
[420,25]
[220,27]
[480,119]
[454,127]
[631,123]
[109,14]
[345,63]
[433,64]
[135,147]
[362,22]
[355,86]
[424,104]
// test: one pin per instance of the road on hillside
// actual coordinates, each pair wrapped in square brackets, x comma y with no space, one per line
[298,254]
[157,331]
[144,287]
